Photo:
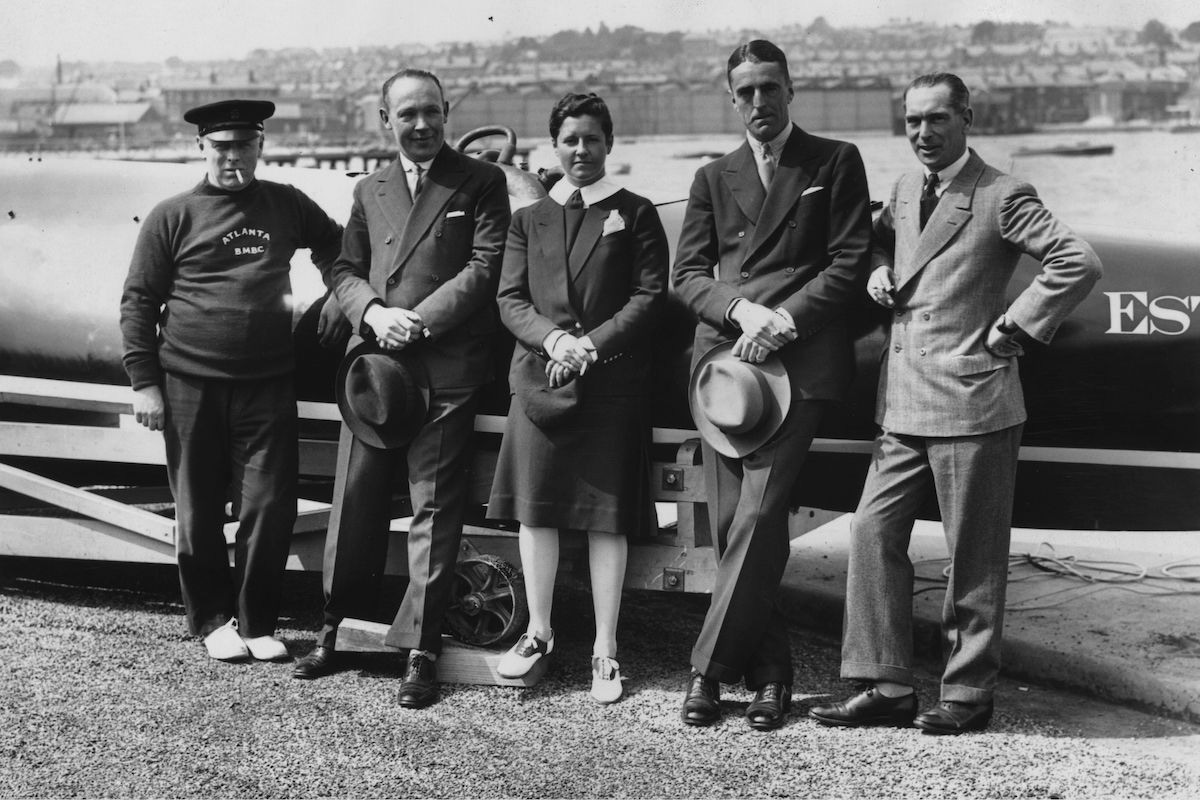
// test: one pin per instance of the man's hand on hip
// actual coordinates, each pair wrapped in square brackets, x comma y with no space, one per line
[1004,339]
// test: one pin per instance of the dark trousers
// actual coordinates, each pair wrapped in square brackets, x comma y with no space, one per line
[974,478]
[436,463]
[232,441]
[745,633]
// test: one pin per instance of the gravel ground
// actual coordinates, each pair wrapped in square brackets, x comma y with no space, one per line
[103,694]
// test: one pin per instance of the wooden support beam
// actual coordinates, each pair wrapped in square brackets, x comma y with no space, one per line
[318,457]
[79,538]
[82,443]
[693,516]
[458,663]
[66,394]
[91,505]
[311,516]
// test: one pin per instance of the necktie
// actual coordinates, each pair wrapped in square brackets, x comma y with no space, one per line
[929,198]
[417,183]
[573,217]
[766,167]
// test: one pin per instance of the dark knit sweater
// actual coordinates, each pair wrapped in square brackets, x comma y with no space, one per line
[209,287]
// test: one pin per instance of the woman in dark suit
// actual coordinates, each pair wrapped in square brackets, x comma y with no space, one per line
[584,277]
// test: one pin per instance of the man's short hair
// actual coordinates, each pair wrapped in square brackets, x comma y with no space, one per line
[960,95]
[579,105]
[757,50]
[409,72]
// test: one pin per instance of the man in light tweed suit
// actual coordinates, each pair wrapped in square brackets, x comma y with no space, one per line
[950,409]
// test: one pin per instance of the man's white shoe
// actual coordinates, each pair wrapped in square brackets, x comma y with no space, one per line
[606,680]
[267,648]
[224,644]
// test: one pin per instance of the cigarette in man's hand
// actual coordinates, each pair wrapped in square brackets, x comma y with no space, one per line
[238,172]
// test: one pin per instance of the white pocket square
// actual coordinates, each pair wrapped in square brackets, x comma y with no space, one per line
[613,223]
[811,189]
[454,214]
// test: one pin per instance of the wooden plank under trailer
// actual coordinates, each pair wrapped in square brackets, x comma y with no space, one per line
[50,422]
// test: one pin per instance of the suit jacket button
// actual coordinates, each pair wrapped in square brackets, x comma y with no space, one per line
[745,274]
[391,282]
[897,348]
[438,232]
[789,270]
[922,351]
[925,316]
[791,223]
[388,240]
[899,312]
[434,278]
[741,234]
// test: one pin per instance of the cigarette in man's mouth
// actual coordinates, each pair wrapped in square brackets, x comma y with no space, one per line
[238,172]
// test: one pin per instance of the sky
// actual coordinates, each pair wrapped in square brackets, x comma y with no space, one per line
[34,32]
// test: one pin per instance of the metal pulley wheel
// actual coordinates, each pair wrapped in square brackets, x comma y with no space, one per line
[488,603]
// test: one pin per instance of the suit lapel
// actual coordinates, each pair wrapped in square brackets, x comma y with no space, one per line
[741,178]
[552,236]
[445,176]
[552,244]
[792,177]
[392,196]
[947,220]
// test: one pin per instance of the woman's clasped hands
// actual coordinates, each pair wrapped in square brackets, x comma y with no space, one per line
[569,356]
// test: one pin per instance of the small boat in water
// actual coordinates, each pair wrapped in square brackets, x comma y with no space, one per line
[1078,149]
[705,154]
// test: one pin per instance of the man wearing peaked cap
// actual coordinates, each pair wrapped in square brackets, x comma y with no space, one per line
[230,115]
[230,134]
[206,320]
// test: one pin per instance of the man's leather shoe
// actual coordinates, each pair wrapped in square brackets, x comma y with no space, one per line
[868,707]
[950,717]
[770,706]
[320,662]
[420,688]
[702,705]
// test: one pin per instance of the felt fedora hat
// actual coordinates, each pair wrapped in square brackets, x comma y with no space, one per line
[383,395]
[737,406]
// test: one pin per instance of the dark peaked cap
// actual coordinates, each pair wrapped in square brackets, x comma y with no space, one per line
[230,115]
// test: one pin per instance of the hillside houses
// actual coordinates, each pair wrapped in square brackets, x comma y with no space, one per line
[1023,76]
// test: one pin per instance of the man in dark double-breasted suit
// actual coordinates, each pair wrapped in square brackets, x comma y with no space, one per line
[775,245]
[950,408]
[418,273]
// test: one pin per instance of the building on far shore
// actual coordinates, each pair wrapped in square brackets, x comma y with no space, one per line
[177,98]
[113,125]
